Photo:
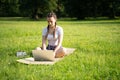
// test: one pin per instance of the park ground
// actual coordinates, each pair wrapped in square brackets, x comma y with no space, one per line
[97,55]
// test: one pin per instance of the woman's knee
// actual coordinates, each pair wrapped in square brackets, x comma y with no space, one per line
[60,53]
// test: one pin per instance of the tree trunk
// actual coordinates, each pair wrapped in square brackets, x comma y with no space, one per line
[35,14]
[111,12]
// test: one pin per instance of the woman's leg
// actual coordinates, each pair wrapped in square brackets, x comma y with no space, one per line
[60,52]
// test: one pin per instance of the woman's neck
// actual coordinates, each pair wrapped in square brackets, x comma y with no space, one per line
[52,27]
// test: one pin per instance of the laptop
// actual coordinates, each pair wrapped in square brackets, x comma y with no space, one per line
[43,55]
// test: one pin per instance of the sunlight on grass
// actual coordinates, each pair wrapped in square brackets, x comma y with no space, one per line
[96,57]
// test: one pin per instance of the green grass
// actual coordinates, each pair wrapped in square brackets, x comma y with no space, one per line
[97,55]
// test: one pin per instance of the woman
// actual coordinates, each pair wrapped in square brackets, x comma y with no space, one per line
[54,35]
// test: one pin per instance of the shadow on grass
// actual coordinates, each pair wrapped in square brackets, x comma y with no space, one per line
[101,20]
[16,19]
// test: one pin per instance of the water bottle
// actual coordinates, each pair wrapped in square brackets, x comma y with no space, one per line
[21,54]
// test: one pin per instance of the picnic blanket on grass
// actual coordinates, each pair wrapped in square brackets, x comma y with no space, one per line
[31,60]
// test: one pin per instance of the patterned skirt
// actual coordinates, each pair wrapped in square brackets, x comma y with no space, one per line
[49,47]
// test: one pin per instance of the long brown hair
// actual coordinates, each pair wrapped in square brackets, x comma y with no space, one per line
[51,14]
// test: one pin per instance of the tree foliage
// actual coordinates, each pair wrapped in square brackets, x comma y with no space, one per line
[92,8]
[66,8]
[9,8]
[37,8]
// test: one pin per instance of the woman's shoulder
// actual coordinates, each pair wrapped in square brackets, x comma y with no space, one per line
[59,27]
[44,29]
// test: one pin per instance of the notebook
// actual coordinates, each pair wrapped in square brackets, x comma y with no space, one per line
[43,55]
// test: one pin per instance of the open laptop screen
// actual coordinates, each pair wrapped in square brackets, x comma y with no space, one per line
[43,55]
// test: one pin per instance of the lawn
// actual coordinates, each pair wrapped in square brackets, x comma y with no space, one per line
[97,55]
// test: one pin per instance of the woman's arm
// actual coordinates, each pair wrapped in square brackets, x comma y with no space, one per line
[43,43]
[60,39]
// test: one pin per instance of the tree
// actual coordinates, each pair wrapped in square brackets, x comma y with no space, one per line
[60,11]
[37,8]
[76,8]
[9,8]
[71,8]
[92,8]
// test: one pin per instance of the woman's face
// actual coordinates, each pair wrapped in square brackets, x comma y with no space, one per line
[51,21]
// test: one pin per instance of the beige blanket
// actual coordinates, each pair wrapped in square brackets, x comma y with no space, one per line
[30,60]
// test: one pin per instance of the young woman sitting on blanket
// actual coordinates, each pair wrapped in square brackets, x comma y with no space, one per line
[54,35]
